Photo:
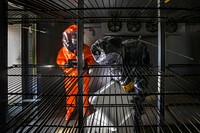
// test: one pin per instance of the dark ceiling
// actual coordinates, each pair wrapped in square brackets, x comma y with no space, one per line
[62,11]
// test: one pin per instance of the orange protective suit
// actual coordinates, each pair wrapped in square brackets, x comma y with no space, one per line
[71,83]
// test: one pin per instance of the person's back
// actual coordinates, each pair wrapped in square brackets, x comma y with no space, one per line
[136,53]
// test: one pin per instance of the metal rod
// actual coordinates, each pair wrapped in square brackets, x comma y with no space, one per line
[47,112]
[80,66]
[4,61]
[146,5]
[62,8]
[161,65]
[32,5]
[107,8]
[31,108]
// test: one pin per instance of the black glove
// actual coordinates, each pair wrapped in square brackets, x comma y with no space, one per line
[86,68]
[69,63]
[71,47]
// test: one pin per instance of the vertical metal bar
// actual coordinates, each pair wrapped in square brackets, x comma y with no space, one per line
[25,68]
[24,44]
[4,62]
[161,40]
[161,66]
[80,66]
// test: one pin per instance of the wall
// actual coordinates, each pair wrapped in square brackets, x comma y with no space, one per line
[49,43]
[14,57]
[179,47]
[193,33]
[92,32]
[14,44]
[187,44]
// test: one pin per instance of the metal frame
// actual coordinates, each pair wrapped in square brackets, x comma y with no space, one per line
[104,10]
[3,64]
[80,66]
[41,114]
[161,65]
[47,112]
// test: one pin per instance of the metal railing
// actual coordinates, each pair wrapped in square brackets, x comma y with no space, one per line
[116,110]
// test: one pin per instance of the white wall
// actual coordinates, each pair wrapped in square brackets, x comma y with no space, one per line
[14,44]
[14,57]
[92,32]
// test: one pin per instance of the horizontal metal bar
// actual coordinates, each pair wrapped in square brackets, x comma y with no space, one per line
[113,105]
[106,8]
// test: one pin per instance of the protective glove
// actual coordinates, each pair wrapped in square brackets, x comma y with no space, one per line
[139,88]
[71,47]
[70,63]
[127,84]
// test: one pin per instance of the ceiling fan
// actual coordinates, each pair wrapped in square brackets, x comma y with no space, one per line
[133,26]
[114,26]
[152,26]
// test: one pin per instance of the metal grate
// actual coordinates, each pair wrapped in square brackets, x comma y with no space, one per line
[104,10]
[37,102]
[190,72]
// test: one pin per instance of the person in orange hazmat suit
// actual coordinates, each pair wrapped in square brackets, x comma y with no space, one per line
[65,58]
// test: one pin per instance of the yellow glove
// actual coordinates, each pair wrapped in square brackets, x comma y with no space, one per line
[128,87]
[166,1]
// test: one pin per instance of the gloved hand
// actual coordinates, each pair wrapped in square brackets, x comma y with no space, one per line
[71,47]
[140,88]
[86,68]
[127,84]
[69,64]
